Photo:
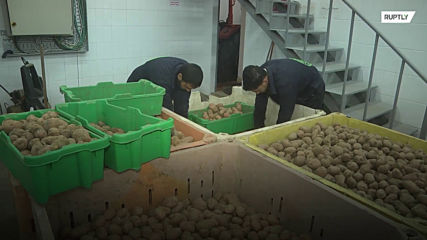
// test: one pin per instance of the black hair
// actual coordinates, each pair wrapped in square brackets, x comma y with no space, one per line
[252,77]
[192,73]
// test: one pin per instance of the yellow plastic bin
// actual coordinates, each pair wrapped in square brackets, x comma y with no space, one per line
[273,135]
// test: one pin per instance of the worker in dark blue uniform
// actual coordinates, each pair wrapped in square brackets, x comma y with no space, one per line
[176,75]
[287,82]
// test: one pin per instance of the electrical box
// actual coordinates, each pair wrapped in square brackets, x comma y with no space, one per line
[40,17]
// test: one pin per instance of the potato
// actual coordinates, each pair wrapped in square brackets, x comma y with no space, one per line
[292,136]
[9,124]
[422,198]
[369,178]
[401,208]
[187,139]
[175,141]
[321,171]
[361,185]
[396,173]
[81,135]
[373,185]
[381,194]
[420,210]
[38,149]
[352,166]
[53,123]
[180,134]
[333,170]
[277,146]
[313,163]
[300,161]
[337,150]
[411,187]
[358,176]
[365,168]
[39,132]
[340,180]
[20,143]
[205,115]
[306,129]
[199,203]
[407,199]
[392,189]
[383,168]
[272,150]
[109,214]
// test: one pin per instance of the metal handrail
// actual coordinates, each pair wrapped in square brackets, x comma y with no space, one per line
[289,2]
[347,62]
[387,41]
[280,41]
[307,20]
[404,61]
[328,30]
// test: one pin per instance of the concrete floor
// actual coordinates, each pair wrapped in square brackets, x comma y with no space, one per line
[8,221]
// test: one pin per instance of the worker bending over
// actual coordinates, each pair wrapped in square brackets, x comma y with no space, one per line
[287,82]
[176,75]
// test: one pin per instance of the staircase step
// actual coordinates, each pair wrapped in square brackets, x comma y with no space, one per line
[335,67]
[375,109]
[274,14]
[314,48]
[299,31]
[351,87]
[403,128]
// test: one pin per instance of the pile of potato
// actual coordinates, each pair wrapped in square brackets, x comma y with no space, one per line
[35,136]
[221,217]
[179,138]
[394,175]
[218,111]
[107,129]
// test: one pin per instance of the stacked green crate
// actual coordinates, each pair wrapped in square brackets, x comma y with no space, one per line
[143,95]
[145,137]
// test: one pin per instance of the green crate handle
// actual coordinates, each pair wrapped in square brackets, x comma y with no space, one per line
[62,89]
[129,136]
[129,95]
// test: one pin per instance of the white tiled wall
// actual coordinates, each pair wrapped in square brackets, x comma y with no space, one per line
[123,35]
[410,39]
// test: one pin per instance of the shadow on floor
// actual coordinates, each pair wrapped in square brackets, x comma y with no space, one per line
[8,221]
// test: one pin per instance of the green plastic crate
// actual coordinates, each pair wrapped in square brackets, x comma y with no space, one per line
[144,95]
[234,124]
[146,137]
[56,171]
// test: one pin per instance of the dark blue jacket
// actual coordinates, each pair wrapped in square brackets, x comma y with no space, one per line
[163,72]
[290,82]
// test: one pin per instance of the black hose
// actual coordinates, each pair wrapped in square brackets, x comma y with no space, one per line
[8,93]
[5,53]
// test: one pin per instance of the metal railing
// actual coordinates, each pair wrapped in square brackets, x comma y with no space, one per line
[378,35]
[263,23]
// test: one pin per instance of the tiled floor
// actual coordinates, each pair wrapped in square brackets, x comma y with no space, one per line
[8,222]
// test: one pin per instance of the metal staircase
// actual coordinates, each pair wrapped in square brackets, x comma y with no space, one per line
[294,35]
